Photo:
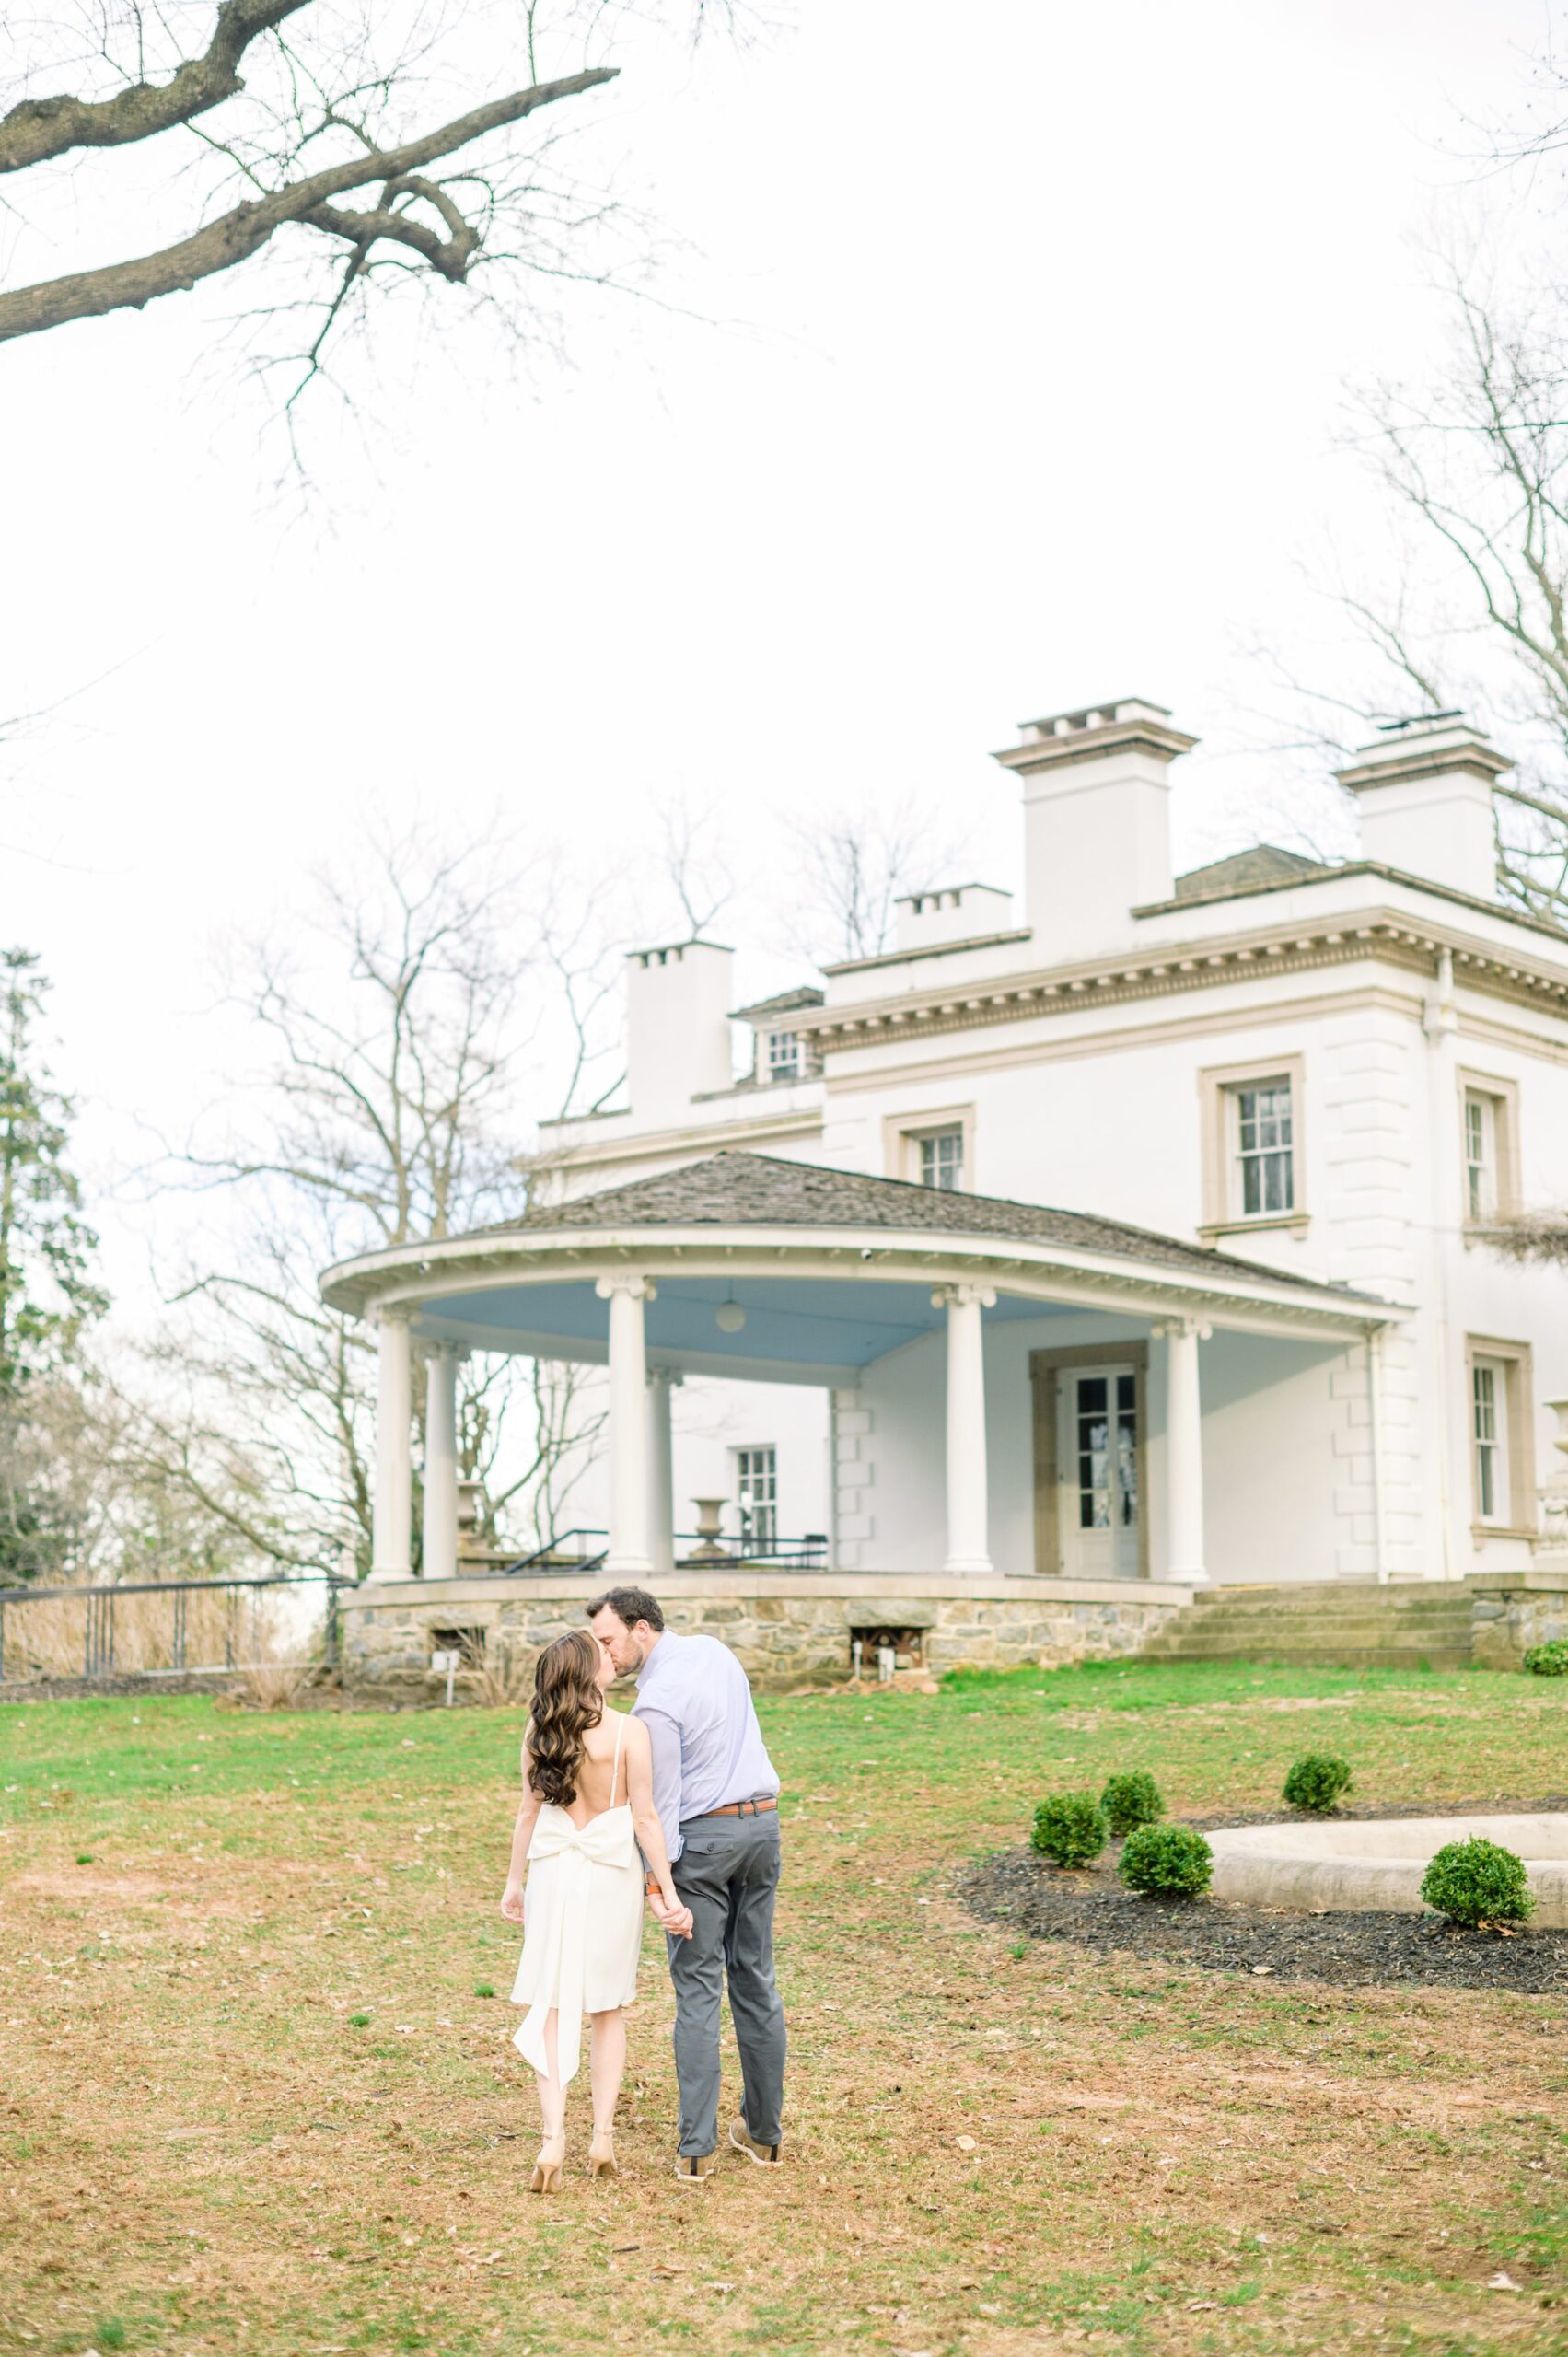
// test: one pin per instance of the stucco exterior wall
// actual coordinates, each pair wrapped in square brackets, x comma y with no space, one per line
[1096,1101]
[1276,1439]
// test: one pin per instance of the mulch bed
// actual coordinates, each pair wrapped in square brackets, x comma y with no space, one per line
[1089,1907]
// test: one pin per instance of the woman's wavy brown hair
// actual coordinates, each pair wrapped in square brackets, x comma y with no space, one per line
[566,1703]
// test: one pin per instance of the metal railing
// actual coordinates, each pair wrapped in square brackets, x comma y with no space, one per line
[101,1656]
[703,1550]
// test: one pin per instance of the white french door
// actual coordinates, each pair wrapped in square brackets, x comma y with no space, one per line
[1096,1458]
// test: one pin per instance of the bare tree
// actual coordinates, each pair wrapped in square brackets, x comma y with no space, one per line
[388,1114]
[1471,610]
[852,868]
[1539,1236]
[361,148]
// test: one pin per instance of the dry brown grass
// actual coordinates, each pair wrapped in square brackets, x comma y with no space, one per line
[995,2152]
[48,1639]
[275,1685]
[502,1680]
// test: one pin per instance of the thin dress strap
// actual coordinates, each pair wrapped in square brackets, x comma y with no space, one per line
[615,1771]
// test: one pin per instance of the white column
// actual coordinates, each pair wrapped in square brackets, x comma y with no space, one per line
[628,1424]
[968,1542]
[392,1526]
[440,1551]
[1183,1453]
[662,1381]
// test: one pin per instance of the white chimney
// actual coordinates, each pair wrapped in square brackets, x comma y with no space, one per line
[676,1027]
[953,912]
[1424,788]
[1097,821]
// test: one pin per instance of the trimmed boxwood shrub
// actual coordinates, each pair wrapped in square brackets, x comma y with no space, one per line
[1130,1800]
[1549,1660]
[1478,1882]
[1069,1828]
[1167,1861]
[1317,1781]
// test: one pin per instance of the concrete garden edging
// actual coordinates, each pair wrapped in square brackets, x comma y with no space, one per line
[1366,1865]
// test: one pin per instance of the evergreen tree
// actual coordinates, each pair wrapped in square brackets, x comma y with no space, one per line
[47,1293]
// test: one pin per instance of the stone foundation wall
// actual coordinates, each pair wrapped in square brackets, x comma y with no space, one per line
[1510,1614]
[789,1633]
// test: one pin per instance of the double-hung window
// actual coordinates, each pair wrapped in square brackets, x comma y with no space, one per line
[757,1492]
[1488,1409]
[1481,1157]
[942,1159]
[783,1055]
[1265,1148]
[1500,1388]
[1253,1165]
[1489,1144]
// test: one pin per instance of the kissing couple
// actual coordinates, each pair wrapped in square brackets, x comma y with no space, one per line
[684,1778]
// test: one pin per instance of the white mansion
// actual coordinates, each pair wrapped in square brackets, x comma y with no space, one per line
[1131,1236]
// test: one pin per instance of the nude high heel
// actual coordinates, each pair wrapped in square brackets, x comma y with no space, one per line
[601,2155]
[547,2174]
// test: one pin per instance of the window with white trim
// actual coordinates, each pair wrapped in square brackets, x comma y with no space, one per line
[1480,1156]
[942,1159]
[757,1494]
[1489,1396]
[1263,1132]
[783,1055]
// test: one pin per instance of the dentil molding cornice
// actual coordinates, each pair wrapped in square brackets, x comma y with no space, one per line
[1381,933]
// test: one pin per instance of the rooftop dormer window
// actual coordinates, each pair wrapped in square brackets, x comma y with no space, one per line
[784,1056]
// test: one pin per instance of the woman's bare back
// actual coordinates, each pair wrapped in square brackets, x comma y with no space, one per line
[594,1778]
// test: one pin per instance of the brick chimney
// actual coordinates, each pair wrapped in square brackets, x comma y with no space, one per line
[1097,821]
[1424,788]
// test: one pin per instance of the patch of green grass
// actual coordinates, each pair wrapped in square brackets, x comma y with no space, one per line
[298,2190]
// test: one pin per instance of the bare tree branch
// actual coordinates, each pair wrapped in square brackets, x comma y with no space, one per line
[38,130]
[235,236]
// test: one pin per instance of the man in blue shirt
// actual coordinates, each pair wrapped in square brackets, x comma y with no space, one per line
[716,1794]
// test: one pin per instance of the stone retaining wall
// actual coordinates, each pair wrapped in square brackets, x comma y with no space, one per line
[1512,1612]
[789,1631]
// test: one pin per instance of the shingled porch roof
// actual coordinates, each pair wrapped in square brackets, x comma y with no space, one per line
[732,1189]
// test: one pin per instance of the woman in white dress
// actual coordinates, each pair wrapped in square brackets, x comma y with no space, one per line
[588,1804]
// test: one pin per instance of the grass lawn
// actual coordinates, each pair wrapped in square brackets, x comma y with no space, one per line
[257,2093]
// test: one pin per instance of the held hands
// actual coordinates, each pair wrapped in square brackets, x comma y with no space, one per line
[677,1920]
[512,1902]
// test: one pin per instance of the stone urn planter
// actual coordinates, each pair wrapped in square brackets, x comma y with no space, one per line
[710,1519]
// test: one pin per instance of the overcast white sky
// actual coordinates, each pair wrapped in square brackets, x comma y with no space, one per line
[1035,321]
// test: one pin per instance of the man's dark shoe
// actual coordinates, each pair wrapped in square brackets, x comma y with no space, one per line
[767,2156]
[693,2169]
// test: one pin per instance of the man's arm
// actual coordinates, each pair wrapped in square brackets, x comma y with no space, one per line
[664,1740]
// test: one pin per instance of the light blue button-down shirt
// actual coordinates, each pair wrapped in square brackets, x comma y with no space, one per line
[693,1698]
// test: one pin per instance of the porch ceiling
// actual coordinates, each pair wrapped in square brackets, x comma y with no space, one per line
[797,1327]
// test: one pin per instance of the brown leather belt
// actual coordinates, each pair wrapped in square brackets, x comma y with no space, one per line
[733,1808]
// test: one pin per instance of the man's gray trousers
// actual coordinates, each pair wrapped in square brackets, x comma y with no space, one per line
[727,1874]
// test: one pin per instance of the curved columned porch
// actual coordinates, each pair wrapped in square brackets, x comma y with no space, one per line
[920,1310]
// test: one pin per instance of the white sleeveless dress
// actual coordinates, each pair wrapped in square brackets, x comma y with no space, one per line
[583,1924]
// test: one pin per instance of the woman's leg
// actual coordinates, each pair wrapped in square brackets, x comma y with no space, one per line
[607,2065]
[551,2094]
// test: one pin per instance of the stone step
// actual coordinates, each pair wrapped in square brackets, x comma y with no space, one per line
[1320,1657]
[1230,1641]
[1314,1596]
[1455,1609]
[1430,1617]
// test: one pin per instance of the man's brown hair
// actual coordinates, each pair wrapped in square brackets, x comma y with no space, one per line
[630,1605]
